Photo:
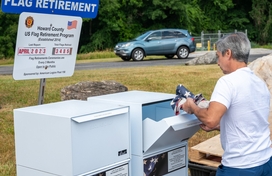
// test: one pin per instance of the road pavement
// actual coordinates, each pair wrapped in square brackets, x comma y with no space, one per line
[255,53]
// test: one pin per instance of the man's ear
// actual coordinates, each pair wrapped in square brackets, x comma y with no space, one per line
[228,53]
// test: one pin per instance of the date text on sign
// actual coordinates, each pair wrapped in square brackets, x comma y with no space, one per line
[27,51]
[61,51]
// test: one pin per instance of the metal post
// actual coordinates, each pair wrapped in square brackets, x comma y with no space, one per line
[219,34]
[41,92]
[202,40]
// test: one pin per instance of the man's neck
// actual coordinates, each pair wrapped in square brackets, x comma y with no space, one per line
[235,65]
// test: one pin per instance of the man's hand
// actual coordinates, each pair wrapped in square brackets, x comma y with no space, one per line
[189,105]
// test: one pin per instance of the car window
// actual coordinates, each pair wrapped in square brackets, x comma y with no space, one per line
[155,36]
[168,35]
[179,34]
[142,36]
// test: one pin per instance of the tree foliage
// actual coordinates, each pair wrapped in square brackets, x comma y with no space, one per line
[262,16]
[8,33]
[122,20]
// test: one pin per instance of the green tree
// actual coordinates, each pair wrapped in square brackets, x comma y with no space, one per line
[225,15]
[121,20]
[173,14]
[116,20]
[8,33]
[262,16]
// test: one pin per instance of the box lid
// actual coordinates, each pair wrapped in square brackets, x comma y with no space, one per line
[168,131]
[137,97]
[71,108]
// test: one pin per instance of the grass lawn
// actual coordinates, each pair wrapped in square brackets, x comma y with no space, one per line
[23,93]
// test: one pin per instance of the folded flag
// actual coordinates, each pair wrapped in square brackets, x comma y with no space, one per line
[182,93]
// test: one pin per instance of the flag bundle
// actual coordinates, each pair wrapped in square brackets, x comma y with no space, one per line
[182,94]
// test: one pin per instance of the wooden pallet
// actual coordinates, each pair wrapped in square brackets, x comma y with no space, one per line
[208,152]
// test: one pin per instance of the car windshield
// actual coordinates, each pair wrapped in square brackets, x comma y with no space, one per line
[142,36]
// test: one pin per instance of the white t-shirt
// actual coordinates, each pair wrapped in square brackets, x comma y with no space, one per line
[244,128]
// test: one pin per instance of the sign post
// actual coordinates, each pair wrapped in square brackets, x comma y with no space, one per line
[46,47]
[41,92]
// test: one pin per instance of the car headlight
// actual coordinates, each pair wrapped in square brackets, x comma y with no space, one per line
[126,45]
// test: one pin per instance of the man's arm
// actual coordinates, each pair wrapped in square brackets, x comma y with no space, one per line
[205,128]
[209,116]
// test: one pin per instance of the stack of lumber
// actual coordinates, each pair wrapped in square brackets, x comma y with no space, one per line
[208,152]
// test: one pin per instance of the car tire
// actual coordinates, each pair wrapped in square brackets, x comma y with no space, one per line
[137,54]
[183,52]
[125,58]
[169,56]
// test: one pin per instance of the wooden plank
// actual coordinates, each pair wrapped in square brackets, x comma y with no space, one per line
[194,154]
[208,152]
[211,146]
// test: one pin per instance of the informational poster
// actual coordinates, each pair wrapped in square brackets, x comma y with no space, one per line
[46,46]
[165,163]
[176,159]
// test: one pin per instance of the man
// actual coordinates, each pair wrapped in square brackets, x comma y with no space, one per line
[239,108]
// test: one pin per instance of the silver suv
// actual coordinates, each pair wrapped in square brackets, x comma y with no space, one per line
[166,42]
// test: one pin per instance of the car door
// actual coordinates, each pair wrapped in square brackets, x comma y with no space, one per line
[168,42]
[153,43]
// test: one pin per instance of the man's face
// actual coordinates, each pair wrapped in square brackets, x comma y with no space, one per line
[222,61]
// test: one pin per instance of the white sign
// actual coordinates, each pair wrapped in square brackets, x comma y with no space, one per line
[46,46]
[120,171]
[176,159]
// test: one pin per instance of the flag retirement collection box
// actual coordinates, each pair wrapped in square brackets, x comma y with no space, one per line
[158,137]
[72,138]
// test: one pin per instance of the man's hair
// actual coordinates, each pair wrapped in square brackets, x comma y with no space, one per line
[238,43]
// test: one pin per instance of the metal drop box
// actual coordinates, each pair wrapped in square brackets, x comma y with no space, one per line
[158,137]
[72,138]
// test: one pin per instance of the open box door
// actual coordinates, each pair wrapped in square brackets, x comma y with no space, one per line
[168,131]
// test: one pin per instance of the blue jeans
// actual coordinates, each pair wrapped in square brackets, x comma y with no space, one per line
[263,170]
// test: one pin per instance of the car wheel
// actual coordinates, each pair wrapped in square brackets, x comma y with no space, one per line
[183,52]
[169,56]
[137,54]
[125,58]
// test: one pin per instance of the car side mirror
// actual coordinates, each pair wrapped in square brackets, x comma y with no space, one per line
[149,39]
